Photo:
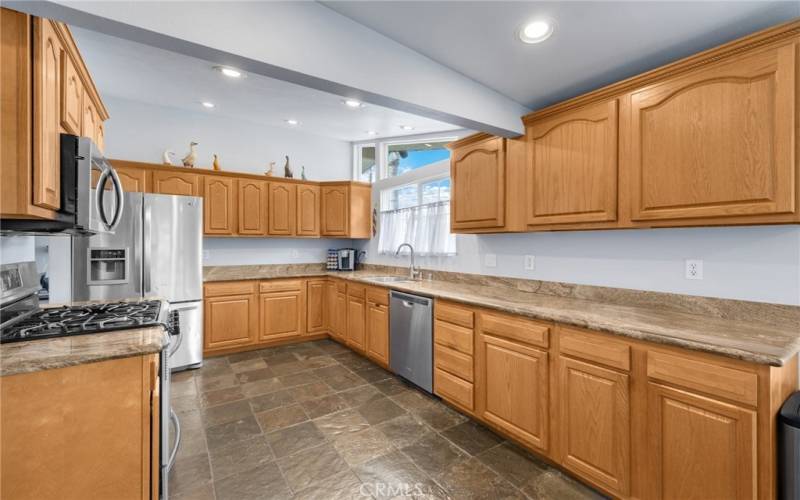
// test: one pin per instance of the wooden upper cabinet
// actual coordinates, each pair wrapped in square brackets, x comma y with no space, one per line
[308,210]
[100,136]
[335,214]
[252,207]
[71,97]
[572,174]
[699,447]
[478,179]
[717,142]
[180,183]
[219,205]
[47,55]
[282,209]
[90,119]
[595,423]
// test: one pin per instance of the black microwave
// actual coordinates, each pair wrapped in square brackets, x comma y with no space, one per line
[85,208]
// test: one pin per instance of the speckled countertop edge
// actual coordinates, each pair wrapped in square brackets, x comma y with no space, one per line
[755,342]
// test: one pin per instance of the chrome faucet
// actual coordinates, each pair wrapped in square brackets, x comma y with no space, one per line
[413,272]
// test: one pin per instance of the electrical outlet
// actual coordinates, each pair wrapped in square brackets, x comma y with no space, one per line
[530,262]
[295,253]
[694,269]
[206,254]
[490,260]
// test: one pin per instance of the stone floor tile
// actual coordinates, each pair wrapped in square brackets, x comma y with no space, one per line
[221,396]
[440,417]
[232,458]
[262,482]
[243,356]
[324,406]
[361,395]
[432,453]
[403,430]
[393,475]
[469,479]
[254,375]
[554,484]
[213,383]
[414,400]
[226,412]
[513,463]
[342,486]
[190,472]
[472,437]
[259,387]
[380,410]
[362,446]
[373,374]
[296,379]
[392,386]
[220,435]
[308,467]
[341,423]
[279,418]
[313,390]
[271,401]
[295,438]
[249,365]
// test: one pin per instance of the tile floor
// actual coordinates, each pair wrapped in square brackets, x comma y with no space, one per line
[317,421]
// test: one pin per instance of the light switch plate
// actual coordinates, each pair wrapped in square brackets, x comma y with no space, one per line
[530,262]
[490,260]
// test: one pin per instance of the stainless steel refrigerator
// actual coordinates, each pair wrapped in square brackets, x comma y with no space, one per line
[155,251]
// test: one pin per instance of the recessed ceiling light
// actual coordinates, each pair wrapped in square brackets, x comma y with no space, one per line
[372,132]
[406,127]
[352,103]
[427,145]
[208,105]
[536,31]
[292,121]
[229,72]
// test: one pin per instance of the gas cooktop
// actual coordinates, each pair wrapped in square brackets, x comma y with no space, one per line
[78,320]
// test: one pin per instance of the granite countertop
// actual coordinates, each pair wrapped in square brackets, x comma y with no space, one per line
[60,352]
[757,339]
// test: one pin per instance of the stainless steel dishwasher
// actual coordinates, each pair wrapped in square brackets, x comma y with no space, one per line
[411,338]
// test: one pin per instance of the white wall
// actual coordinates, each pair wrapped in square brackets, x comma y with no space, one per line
[248,251]
[16,249]
[760,263]
[141,132]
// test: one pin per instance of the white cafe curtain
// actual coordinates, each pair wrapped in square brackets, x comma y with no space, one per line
[425,227]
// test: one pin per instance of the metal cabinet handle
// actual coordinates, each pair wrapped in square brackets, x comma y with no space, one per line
[173,417]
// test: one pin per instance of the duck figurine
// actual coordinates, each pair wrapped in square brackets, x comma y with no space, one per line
[269,172]
[215,164]
[166,159]
[287,170]
[189,159]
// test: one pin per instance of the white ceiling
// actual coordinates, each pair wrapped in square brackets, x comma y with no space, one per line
[143,73]
[594,44]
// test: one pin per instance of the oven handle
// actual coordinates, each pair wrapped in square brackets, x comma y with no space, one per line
[173,417]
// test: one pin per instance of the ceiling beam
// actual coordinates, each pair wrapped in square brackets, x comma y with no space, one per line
[303,43]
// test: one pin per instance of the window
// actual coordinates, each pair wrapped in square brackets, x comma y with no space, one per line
[402,158]
[412,179]
[367,168]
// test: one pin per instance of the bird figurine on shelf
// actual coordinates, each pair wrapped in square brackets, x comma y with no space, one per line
[287,170]
[303,173]
[167,157]
[215,164]
[188,160]
[269,172]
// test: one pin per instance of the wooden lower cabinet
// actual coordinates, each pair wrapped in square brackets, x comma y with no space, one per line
[231,315]
[316,306]
[377,325]
[512,388]
[84,431]
[356,318]
[282,313]
[340,316]
[594,418]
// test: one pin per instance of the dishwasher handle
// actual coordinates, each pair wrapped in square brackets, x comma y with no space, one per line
[410,300]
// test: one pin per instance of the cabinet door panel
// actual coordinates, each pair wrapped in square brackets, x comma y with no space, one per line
[340,326]
[479,185]
[356,319]
[513,389]
[252,207]
[316,297]
[572,174]
[281,315]
[717,142]
[46,119]
[282,208]
[230,321]
[71,96]
[701,448]
[595,423]
[378,332]
[308,210]
[219,205]
[334,211]
[180,183]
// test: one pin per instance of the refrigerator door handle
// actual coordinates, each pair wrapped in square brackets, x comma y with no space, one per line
[147,248]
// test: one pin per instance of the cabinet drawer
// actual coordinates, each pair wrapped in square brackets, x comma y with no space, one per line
[703,376]
[455,314]
[378,296]
[280,286]
[229,288]
[358,291]
[593,347]
[453,362]
[453,388]
[455,337]
[522,330]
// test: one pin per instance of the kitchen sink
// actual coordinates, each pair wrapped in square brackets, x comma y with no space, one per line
[388,279]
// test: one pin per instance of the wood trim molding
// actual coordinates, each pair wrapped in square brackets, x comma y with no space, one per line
[765,37]
[470,139]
